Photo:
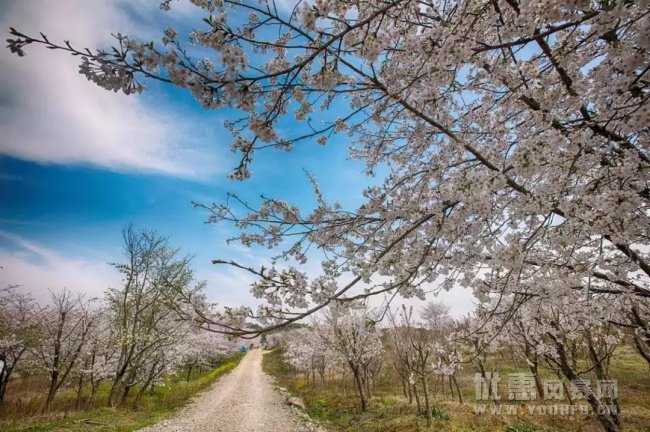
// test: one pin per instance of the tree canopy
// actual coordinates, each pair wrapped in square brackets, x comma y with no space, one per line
[514,135]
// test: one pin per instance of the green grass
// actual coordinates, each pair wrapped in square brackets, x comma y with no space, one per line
[159,405]
[521,427]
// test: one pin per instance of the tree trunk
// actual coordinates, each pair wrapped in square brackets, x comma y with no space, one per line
[427,402]
[642,343]
[417,398]
[609,421]
[641,350]
[366,380]
[451,388]
[125,394]
[54,380]
[93,392]
[484,376]
[4,382]
[460,395]
[599,368]
[115,387]
[142,390]
[151,376]
[360,388]
[80,384]
[564,386]
[538,383]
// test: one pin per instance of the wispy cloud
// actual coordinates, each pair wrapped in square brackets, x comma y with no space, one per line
[38,269]
[51,114]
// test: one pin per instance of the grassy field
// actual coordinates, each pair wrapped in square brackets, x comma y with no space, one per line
[22,409]
[335,404]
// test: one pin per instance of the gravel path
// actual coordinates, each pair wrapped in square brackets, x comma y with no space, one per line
[244,400]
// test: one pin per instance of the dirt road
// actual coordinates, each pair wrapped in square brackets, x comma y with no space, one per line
[245,400]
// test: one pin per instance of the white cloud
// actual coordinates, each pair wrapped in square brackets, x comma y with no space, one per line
[229,286]
[461,301]
[38,269]
[49,113]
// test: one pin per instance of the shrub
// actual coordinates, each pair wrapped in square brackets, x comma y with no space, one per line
[438,412]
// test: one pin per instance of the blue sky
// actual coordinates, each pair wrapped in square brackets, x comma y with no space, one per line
[78,163]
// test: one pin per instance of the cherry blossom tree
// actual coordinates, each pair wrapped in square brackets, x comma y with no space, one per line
[436,316]
[349,333]
[638,314]
[482,340]
[144,309]
[447,336]
[298,350]
[574,335]
[414,346]
[98,357]
[200,349]
[19,332]
[305,351]
[66,323]
[513,135]
[132,335]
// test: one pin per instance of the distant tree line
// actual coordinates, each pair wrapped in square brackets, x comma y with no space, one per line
[129,338]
